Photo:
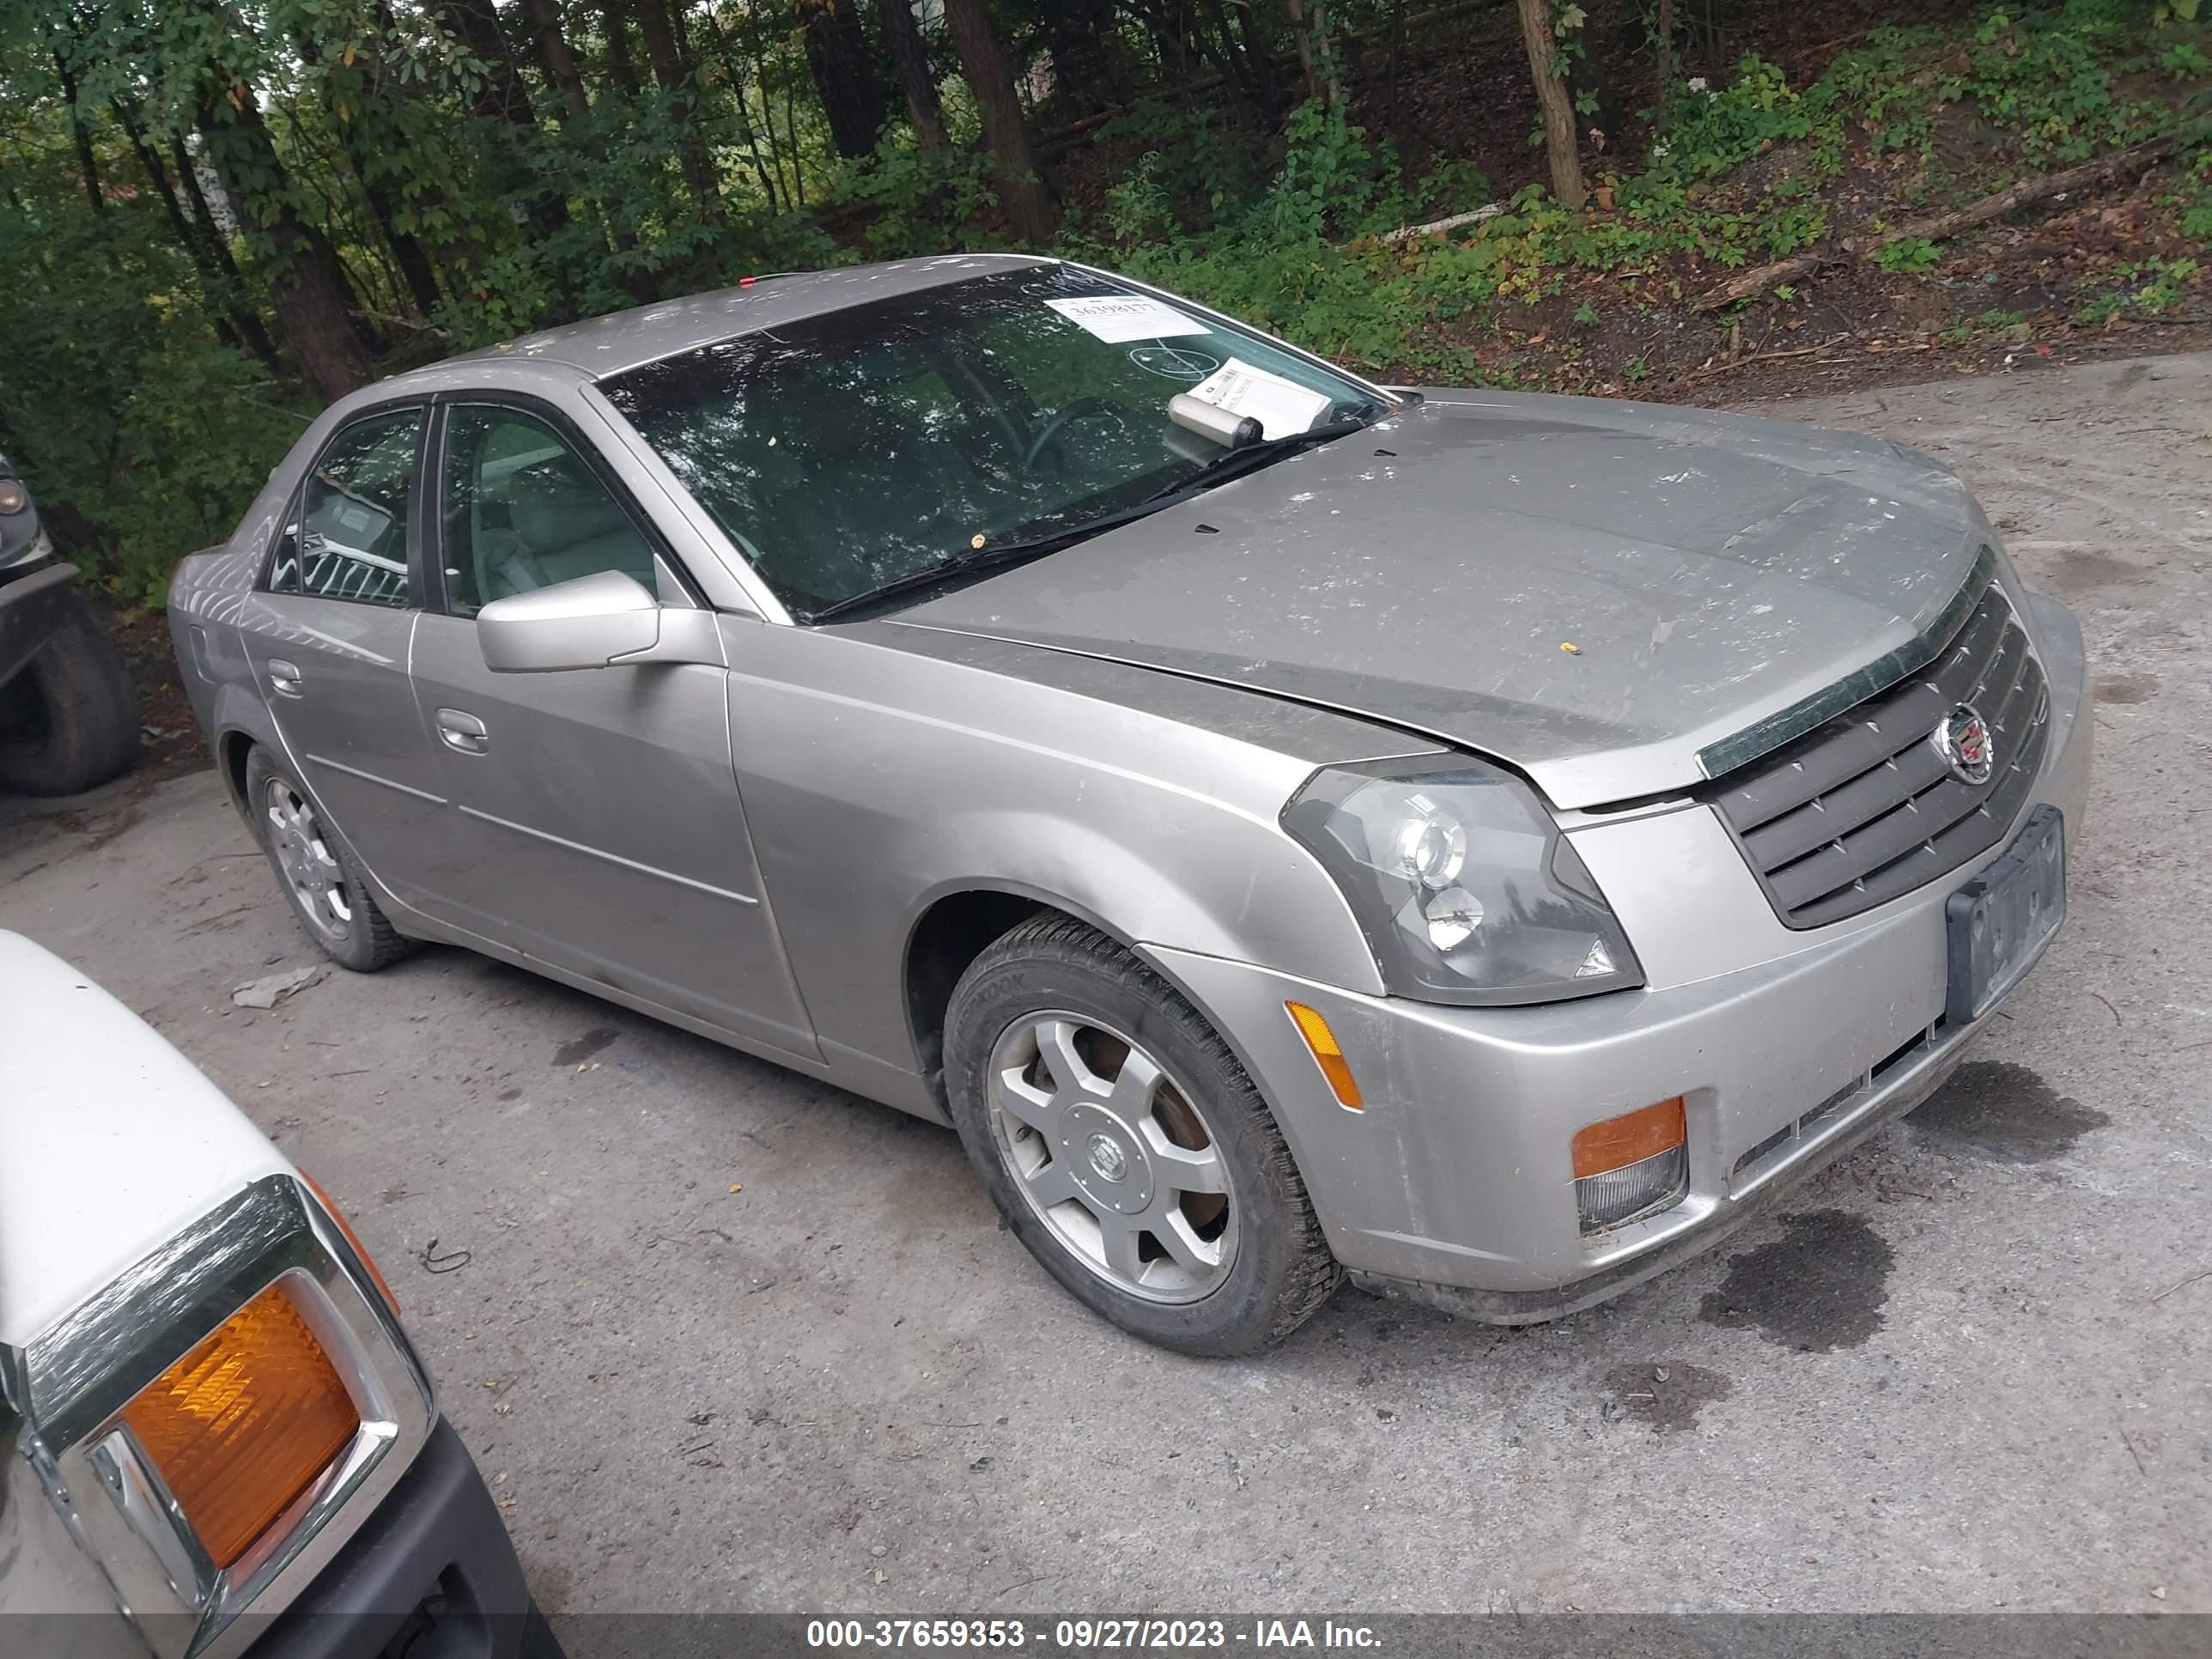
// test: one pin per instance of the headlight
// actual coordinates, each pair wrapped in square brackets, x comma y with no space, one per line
[14,498]
[1465,888]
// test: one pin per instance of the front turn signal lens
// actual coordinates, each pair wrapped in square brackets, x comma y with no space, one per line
[1328,1054]
[243,1424]
[1631,1166]
[1631,1138]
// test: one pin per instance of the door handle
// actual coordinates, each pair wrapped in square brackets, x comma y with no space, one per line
[284,679]
[462,732]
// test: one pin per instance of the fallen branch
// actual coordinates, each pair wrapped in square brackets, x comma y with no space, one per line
[1751,283]
[1438,227]
[1708,369]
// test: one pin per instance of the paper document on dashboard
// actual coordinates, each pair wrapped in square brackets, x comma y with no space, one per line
[1118,319]
[1281,407]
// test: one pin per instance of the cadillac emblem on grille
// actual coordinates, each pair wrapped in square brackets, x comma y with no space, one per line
[1964,741]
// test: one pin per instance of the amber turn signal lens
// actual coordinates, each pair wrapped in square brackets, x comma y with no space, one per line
[1631,1138]
[241,1426]
[338,1220]
[1328,1053]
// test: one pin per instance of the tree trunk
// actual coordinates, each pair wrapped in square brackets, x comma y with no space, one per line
[844,71]
[505,95]
[620,67]
[81,132]
[1663,28]
[1303,39]
[673,76]
[1076,31]
[910,52]
[235,324]
[1028,206]
[305,286]
[1559,147]
[551,47]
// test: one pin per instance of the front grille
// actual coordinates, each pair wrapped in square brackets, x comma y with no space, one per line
[1864,809]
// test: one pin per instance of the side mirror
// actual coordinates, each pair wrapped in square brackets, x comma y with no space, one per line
[601,620]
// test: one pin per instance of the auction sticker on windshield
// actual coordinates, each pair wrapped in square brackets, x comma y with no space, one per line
[1118,319]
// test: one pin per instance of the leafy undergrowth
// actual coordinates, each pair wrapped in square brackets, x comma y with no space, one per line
[1903,124]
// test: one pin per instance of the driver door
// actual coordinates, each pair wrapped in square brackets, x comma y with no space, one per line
[599,827]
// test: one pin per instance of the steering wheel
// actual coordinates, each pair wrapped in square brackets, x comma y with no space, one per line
[1081,409]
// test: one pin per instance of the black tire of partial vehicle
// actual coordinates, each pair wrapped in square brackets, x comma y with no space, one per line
[69,720]
[1283,1271]
[370,942]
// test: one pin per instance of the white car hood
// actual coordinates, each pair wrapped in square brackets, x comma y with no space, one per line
[110,1140]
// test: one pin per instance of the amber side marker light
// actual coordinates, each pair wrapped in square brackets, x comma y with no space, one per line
[243,1424]
[1631,1166]
[338,1220]
[1328,1053]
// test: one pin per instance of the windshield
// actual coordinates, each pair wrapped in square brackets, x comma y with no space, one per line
[858,449]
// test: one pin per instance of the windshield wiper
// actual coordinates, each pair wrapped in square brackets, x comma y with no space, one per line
[1232,462]
[992,557]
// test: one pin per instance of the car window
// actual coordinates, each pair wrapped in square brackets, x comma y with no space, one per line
[347,538]
[522,510]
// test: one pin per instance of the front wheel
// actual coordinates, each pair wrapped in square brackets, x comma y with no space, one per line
[1127,1147]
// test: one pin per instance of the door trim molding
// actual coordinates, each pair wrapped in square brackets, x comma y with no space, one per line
[371,777]
[610,858]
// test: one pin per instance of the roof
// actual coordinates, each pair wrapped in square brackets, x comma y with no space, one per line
[624,340]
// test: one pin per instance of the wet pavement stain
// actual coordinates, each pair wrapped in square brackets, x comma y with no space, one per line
[1668,1397]
[2080,571]
[1818,1287]
[576,1050]
[2126,688]
[2006,1113]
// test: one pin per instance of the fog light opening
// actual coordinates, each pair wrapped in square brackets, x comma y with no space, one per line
[1631,1166]
[1328,1054]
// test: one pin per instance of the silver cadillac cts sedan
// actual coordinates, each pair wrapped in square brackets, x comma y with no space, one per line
[1485,845]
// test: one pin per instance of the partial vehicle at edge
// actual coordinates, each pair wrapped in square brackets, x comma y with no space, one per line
[215,1438]
[1486,845]
[68,717]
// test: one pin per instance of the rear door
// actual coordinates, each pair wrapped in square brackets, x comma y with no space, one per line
[329,636]
[599,825]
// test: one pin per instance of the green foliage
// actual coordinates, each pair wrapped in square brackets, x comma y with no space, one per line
[1913,254]
[2157,287]
[120,408]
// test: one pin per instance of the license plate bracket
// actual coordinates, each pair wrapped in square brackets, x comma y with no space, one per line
[2000,921]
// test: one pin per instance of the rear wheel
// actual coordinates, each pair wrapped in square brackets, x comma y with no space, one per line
[69,720]
[334,907]
[1127,1147]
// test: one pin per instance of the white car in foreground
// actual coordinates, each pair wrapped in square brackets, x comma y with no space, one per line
[215,1435]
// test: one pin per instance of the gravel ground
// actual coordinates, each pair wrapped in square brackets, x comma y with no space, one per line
[723,1338]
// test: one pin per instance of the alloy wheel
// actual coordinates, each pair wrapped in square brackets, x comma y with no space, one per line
[1112,1155]
[310,867]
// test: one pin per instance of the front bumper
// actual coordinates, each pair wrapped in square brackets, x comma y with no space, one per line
[432,1573]
[1454,1186]
[32,607]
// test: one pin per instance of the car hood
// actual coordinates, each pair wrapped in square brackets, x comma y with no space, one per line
[1594,592]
